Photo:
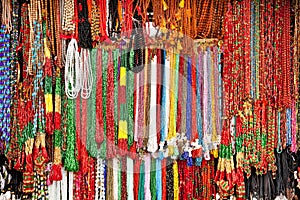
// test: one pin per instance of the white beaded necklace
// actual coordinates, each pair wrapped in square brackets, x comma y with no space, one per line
[152,142]
[100,180]
[86,73]
[72,71]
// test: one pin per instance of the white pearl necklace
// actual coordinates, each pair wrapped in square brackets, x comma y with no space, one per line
[86,73]
[100,180]
[72,71]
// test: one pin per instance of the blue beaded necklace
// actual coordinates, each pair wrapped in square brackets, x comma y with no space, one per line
[5,86]
[37,101]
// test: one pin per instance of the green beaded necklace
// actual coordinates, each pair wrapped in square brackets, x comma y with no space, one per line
[91,144]
[104,84]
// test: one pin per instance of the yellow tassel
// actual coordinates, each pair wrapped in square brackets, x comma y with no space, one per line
[181,4]
[122,129]
[176,187]
[215,153]
[171,150]
[173,27]
[165,6]
[46,49]
[122,76]
[179,46]
[172,120]
[49,103]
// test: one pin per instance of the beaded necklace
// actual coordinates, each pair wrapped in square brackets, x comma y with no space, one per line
[174,74]
[123,112]
[176,181]
[147,193]
[130,98]
[194,137]
[189,109]
[153,178]
[99,137]
[158,179]
[114,21]
[152,142]
[165,99]
[136,178]
[91,179]
[84,26]
[158,99]
[103,15]
[95,21]
[56,174]
[71,163]
[147,92]
[129,176]
[116,72]
[91,144]
[104,102]
[163,178]
[49,104]
[38,80]
[15,74]
[6,15]
[164,103]
[170,179]
[294,128]
[110,129]
[139,115]
[206,107]
[100,193]
[128,14]
[123,181]
[5,92]
[68,25]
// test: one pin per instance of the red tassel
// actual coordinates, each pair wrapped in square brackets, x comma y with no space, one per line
[132,151]
[49,123]
[229,178]
[84,160]
[164,177]
[197,153]
[136,178]
[35,153]
[55,174]
[48,68]
[18,165]
[217,177]
[29,163]
[45,154]
[57,121]
[122,144]
[222,175]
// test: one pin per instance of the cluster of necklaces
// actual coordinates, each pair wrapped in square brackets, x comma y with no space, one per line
[149,99]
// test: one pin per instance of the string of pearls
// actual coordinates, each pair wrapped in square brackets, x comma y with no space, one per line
[78,72]
[100,180]
[72,70]
[86,73]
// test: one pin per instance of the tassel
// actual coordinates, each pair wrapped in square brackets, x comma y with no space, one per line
[181,4]
[190,161]
[185,155]
[55,174]
[129,176]
[198,161]
[165,5]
